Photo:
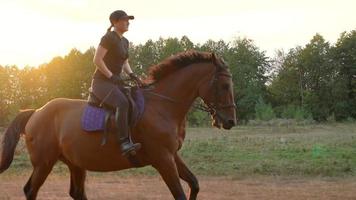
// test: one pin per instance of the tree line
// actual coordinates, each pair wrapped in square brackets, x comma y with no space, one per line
[315,81]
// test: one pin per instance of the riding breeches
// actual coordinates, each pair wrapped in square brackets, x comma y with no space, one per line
[113,96]
[110,93]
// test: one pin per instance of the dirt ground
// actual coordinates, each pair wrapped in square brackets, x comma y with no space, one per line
[115,187]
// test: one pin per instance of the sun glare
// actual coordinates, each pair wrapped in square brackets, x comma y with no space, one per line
[35,31]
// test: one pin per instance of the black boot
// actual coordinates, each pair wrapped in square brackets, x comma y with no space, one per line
[127,147]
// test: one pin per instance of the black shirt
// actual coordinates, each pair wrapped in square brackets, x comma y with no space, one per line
[118,52]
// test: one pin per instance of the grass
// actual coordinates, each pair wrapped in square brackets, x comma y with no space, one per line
[318,150]
[327,150]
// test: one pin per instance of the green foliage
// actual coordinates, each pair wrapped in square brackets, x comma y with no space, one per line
[344,55]
[318,77]
[264,111]
[248,66]
[70,76]
[295,112]
[198,118]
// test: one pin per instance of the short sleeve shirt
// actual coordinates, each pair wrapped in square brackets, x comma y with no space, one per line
[118,52]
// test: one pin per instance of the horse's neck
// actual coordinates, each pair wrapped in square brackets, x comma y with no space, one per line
[182,86]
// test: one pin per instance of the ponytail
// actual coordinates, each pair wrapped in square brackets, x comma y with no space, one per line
[110,27]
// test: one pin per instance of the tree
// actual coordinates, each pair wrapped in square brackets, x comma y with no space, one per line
[306,79]
[316,77]
[248,66]
[285,87]
[344,54]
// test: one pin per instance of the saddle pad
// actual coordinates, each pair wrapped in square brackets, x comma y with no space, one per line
[93,118]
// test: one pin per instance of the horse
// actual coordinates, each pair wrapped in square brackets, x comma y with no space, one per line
[53,133]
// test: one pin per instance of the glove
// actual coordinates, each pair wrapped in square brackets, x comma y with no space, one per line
[116,79]
[136,79]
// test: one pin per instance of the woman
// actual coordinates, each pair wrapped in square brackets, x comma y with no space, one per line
[111,58]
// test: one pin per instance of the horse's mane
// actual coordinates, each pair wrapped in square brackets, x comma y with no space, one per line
[176,62]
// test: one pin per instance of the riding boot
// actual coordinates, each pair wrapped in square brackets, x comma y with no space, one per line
[127,147]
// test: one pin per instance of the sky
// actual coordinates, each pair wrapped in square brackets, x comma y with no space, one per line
[32,32]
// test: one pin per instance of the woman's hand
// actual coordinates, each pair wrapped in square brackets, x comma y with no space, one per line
[134,77]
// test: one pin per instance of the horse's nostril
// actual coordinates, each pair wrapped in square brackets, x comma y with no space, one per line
[231,122]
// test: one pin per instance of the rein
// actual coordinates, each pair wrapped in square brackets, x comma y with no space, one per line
[160,95]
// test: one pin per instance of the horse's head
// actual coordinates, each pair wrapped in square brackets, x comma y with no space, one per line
[217,93]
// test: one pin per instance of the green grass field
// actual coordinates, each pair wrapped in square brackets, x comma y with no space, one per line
[327,150]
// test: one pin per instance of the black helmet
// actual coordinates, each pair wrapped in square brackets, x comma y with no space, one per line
[119,14]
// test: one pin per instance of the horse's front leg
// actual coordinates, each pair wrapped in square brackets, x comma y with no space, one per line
[188,176]
[167,168]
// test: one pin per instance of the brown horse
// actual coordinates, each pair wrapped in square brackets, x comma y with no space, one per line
[53,132]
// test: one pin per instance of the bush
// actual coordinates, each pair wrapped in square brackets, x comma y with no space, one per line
[295,112]
[341,110]
[350,119]
[264,111]
[198,118]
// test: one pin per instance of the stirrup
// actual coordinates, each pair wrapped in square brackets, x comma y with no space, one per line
[128,148]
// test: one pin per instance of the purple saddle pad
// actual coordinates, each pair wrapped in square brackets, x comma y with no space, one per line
[93,118]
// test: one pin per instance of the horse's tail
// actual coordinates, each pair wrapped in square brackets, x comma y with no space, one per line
[12,136]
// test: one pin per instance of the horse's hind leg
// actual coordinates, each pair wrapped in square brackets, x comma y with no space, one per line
[44,154]
[188,176]
[77,181]
[36,180]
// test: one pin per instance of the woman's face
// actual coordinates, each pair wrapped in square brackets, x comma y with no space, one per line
[122,25]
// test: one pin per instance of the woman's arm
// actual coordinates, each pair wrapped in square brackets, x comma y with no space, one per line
[126,67]
[99,62]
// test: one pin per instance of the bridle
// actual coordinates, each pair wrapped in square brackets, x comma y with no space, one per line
[214,107]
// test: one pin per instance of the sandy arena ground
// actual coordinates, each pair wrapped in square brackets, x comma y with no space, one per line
[115,187]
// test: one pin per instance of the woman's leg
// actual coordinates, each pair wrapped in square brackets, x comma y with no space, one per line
[114,97]
[121,116]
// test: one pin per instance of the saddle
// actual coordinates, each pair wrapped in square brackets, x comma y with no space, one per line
[99,116]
